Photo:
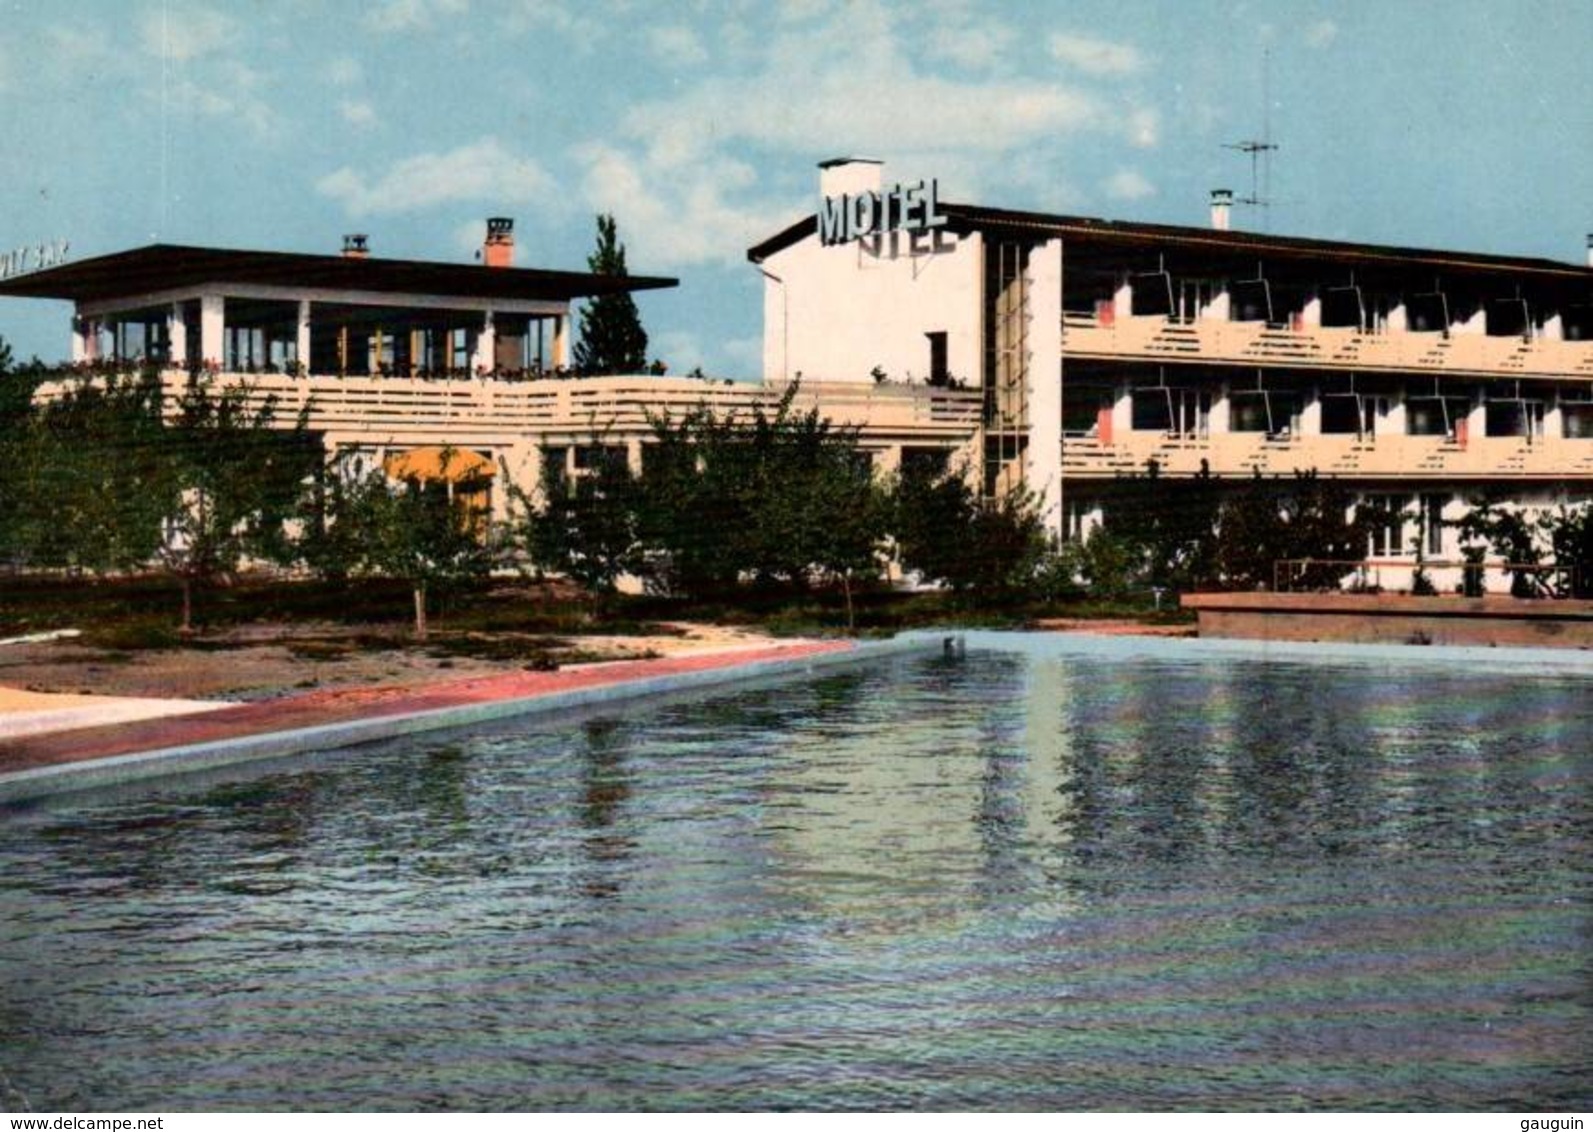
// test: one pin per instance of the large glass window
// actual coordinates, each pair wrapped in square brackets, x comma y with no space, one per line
[1432,522]
[1386,510]
[1434,416]
[1272,411]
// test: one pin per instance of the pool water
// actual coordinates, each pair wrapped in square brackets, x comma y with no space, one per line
[1053,874]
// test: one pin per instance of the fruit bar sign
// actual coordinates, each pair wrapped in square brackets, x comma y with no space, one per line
[32,257]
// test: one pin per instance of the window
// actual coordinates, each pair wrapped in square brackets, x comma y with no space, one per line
[1173,411]
[939,370]
[1151,411]
[1434,416]
[592,457]
[1387,515]
[925,463]
[1272,411]
[1432,523]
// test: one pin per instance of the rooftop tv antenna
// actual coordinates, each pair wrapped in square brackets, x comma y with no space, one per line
[1261,150]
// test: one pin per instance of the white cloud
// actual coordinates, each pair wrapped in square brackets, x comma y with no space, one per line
[974,46]
[858,78]
[357,112]
[682,351]
[1144,127]
[1321,33]
[677,45]
[574,21]
[229,90]
[1095,56]
[483,171]
[745,356]
[345,70]
[1127,184]
[185,33]
[679,349]
[413,15]
[703,218]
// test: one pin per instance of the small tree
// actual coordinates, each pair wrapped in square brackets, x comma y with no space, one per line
[1510,535]
[1164,528]
[784,497]
[412,531]
[585,528]
[612,338]
[1306,519]
[1570,534]
[85,475]
[950,535]
[238,480]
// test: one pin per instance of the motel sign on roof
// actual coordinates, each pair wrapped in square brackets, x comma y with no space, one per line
[851,216]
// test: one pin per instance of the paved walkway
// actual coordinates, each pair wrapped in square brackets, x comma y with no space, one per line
[316,709]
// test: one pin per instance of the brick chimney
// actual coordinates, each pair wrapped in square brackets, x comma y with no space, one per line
[1221,208]
[356,246]
[498,250]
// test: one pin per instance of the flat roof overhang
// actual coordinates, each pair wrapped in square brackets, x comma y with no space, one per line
[1113,239]
[166,267]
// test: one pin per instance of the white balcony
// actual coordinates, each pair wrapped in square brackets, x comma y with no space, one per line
[1158,339]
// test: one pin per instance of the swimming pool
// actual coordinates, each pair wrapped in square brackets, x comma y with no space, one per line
[1059,873]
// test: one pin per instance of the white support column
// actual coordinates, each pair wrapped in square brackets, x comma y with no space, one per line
[302,338]
[1311,414]
[1477,418]
[1391,421]
[1123,301]
[177,335]
[212,329]
[1043,458]
[561,341]
[1122,412]
[1553,420]
[485,359]
[85,339]
[1220,421]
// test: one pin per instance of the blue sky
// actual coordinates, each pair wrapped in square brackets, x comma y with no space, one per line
[283,125]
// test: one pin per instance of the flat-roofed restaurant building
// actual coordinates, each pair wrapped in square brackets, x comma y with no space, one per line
[1421,378]
[397,359]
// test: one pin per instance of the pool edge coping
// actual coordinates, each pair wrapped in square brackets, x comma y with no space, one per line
[36,783]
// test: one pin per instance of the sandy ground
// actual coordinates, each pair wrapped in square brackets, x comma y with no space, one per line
[59,685]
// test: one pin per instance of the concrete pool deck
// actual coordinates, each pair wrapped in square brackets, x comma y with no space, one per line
[44,763]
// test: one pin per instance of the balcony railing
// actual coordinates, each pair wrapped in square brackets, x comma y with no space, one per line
[1155,338]
[484,407]
[1402,457]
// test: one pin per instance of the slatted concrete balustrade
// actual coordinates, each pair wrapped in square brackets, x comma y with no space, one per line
[1402,457]
[1155,338]
[468,410]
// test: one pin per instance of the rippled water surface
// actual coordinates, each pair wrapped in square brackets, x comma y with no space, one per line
[1052,876]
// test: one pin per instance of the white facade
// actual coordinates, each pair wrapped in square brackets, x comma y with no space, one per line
[1422,379]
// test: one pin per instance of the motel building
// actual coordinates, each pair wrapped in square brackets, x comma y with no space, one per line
[1421,379]
[1053,351]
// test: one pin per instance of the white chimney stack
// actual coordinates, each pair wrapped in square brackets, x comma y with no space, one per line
[1221,208]
[850,176]
[1590,249]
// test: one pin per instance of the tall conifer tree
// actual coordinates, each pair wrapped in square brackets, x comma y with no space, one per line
[612,338]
